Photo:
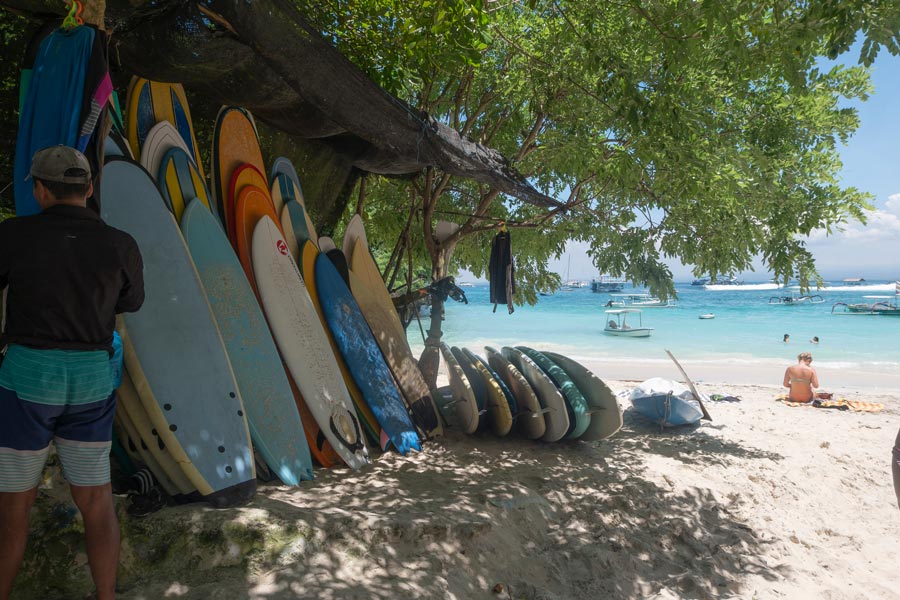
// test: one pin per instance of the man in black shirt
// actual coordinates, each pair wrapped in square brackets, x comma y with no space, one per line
[68,274]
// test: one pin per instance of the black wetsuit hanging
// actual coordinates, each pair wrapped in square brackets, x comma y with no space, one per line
[501,272]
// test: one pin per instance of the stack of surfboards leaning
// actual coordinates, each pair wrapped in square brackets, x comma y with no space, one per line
[544,395]
[257,341]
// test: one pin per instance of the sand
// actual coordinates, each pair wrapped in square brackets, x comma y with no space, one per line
[766,501]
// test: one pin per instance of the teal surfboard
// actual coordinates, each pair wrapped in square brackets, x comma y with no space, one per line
[362,356]
[606,414]
[272,415]
[173,349]
[284,167]
[576,405]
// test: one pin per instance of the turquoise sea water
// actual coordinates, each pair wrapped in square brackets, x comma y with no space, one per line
[746,329]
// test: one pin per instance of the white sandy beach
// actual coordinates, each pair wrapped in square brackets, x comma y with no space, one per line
[766,501]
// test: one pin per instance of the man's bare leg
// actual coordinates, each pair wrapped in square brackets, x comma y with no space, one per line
[14,510]
[101,532]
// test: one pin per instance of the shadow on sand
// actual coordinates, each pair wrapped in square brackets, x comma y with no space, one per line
[573,520]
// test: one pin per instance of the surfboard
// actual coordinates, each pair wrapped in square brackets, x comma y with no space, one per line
[307,263]
[530,418]
[153,102]
[115,145]
[173,349]
[478,387]
[326,243]
[139,451]
[356,230]
[463,396]
[606,413]
[557,418]
[162,138]
[245,176]
[283,166]
[252,205]
[303,344]
[576,405]
[235,143]
[499,417]
[373,296]
[284,189]
[353,338]
[511,403]
[128,401]
[180,182]
[395,348]
[274,422]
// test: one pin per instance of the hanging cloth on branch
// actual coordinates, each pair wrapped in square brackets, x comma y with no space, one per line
[65,92]
[501,271]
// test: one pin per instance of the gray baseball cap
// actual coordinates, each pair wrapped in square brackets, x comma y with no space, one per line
[61,164]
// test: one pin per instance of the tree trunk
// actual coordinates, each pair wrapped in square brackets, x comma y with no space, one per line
[430,361]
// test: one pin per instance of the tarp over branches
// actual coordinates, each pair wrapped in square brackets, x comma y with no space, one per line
[265,56]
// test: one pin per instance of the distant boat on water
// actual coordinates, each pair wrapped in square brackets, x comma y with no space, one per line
[638,301]
[465,284]
[618,324]
[607,284]
[794,299]
[735,287]
[853,281]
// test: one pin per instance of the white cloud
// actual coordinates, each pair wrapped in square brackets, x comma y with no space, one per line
[882,226]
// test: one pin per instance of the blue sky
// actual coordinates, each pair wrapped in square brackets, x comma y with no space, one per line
[871,163]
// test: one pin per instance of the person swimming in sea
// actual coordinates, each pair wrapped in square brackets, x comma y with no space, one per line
[814,340]
[801,379]
[787,338]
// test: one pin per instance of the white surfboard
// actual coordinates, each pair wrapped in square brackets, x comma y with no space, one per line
[160,140]
[303,344]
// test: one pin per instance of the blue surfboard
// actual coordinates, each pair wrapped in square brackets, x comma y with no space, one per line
[357,345]
[173,349]
[275,425]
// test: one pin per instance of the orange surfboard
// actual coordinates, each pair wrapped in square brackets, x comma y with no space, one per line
[252,205]
[235,143]
[245,175]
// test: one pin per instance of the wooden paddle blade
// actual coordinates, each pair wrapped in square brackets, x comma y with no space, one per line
[694,391]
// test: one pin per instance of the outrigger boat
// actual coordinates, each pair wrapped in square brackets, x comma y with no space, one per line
[791,300]
[883,307]
[617,323]
[638,301]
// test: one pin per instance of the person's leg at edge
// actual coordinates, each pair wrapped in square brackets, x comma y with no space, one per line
[895,467]
[14,510]
[101,532]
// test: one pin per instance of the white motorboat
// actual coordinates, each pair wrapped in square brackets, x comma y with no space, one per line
[638,301]
[617,323]
[707,316]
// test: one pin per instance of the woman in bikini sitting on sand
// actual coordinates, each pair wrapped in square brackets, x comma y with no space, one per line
[801,379]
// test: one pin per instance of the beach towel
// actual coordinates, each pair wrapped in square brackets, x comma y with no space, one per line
[839,404]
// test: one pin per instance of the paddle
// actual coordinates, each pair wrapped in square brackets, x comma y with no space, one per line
[691,385]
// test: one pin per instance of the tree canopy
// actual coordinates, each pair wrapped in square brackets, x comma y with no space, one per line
[699,130]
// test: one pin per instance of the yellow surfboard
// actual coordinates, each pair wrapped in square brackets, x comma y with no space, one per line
[151,102]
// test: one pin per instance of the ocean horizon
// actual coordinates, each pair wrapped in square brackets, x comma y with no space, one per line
[746,331]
